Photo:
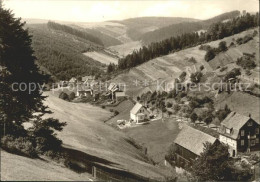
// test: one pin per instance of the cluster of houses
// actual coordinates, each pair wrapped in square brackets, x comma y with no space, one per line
[239,132]
[88,86]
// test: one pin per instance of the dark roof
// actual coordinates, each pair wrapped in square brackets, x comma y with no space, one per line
[193,139]
[235,122]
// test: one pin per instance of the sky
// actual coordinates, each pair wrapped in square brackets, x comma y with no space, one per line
[97,11]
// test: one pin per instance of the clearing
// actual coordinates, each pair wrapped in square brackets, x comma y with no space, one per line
[101,57]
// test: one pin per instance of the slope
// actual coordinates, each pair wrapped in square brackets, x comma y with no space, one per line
[61,54]
[87,132]
[171,66]
[184,27]
[18,168]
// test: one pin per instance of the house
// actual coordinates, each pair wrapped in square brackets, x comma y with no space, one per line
[119,96]
[240,133]
[190,144]
[139,113]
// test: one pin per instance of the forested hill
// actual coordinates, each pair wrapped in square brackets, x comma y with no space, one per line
[184,27]
[61,53]
[74,31]
[215,31]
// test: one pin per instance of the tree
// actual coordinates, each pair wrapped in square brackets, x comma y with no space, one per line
[193,117]
[222,46]
[196,77]
[210,55]
[20,104]
[72,96]
[214,164]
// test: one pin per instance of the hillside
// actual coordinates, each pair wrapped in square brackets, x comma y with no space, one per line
[171,66]
[18,168]
[60,54]
[139,26]
[87,133]
[184,27]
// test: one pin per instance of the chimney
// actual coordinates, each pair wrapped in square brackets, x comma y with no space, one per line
[249,115]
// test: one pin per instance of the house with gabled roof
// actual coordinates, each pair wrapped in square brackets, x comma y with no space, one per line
[139,113]
[189,145]
[240,133]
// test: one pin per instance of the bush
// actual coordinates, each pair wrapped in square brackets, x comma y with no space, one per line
[196,77]
[72,96]
[21,146]
[209,55]
[231,44]
[116,112]
[222,46]
[169,105]
[103,107]
[246,62]
[64,96]
[201,67]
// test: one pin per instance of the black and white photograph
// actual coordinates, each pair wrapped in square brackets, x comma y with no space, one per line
[129,90]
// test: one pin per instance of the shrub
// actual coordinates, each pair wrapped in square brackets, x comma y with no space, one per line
[72,96]
[231,44]
[246,62]
[210,55]
[222,46]
[255,33]
[193,117]
[103,107]
[169,105]
[196,77]
[201,67]
[192,60]
[116,112]
[64,96]
[21,146]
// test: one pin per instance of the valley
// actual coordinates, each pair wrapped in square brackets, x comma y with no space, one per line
[130,133]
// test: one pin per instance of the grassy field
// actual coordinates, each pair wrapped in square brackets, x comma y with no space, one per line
[101,57]
[157,136]
[240,102]
[124,112]
[18,168]
[87,132]
[127,48]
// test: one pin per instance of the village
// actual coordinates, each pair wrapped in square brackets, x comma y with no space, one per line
[239,132]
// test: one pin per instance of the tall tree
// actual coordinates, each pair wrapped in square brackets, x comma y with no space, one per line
[21,99]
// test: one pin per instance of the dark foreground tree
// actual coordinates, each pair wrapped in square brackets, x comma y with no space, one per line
[214,164]
[21,99]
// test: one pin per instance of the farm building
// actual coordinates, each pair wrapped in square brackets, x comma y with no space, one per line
[240,132]
[139,113]
[190,144]
[83,92]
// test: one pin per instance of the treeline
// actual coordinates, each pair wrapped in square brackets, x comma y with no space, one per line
[216,31]
[74,31]
[61,55]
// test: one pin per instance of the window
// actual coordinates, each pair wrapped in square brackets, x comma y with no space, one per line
[257,140]
[257,131]
[252,142]
[250,123]
[242,133]
[242,143]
